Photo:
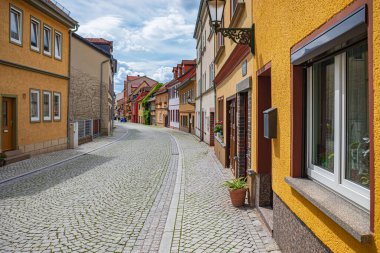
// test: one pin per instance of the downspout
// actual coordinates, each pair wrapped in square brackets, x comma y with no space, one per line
[69,83]
[201,109]
[101,91]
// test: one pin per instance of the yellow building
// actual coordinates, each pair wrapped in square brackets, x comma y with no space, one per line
[34,75]
[161,108]
[233,80]
[318,64]
[187,91]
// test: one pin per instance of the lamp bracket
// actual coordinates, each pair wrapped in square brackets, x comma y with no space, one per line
[244,36]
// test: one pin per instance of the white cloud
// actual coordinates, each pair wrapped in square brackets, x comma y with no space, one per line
[163,74]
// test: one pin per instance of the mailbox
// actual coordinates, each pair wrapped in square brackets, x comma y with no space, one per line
[270,123]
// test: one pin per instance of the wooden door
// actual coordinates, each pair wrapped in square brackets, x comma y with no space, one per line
[232,115]
[7,123]
[212,123]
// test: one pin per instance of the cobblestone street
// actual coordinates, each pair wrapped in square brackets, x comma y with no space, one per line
[145,189]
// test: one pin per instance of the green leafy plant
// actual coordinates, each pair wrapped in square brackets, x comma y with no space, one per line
[218,127]
[236,184]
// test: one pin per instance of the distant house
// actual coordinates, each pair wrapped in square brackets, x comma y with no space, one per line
[119,105]
[162,100]
[92,89]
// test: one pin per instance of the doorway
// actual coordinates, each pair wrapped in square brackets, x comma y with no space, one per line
[212,125]
[231,135]
[8,123]
[264,192]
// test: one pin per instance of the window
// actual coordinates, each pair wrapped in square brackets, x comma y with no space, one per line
[220,40]
[57,106]
[58,46]
[34,105]
[338,123]
[220,109]
[34,34]
[212,74]
[47,40]
[47,105]
[234,4]
[15,25]
[204,82]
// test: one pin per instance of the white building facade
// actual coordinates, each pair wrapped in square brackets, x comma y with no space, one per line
[173,104]
[205,97]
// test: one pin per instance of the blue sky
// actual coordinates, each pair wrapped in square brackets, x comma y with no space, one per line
[150,36]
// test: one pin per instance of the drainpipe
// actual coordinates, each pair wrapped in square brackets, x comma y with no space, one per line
[201,114]
[101,91]
[69,82]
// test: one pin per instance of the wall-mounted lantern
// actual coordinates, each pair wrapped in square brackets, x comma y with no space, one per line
[245,36]
[270,123]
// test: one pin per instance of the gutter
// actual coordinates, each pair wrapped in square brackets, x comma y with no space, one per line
[76,27]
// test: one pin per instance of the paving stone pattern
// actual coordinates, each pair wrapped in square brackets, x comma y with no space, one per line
[206,221]
[39,161]
[117,199]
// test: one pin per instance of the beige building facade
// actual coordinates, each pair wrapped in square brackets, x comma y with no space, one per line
[91,90]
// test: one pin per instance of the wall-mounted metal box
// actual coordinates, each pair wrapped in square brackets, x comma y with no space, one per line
[270,123]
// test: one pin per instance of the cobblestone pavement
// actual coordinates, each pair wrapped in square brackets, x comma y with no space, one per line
[117,199]
[206,221]
[39,161]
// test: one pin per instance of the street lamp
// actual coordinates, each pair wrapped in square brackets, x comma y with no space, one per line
[243,36]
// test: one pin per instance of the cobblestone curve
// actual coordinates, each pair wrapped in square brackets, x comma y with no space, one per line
[102,202]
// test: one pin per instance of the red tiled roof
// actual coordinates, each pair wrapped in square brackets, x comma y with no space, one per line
[99,41]
[189,74]
[189,62]
[131,78]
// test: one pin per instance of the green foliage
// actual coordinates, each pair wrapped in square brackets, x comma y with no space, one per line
[147,97]
[236,184]
[146,115]
[2,156]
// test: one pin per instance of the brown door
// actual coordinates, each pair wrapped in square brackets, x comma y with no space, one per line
[212,122]
[7,124]
[232,115]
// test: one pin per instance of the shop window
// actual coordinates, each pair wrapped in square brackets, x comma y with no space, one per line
[47,105]
[338,144]
[16,25]
[35,34]
[57,106]
[34,105]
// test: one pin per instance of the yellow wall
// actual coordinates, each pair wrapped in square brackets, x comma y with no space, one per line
[294,20]
[187,107]
[163,108]
[42,136]
[23,54]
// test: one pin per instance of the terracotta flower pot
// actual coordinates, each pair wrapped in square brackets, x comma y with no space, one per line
[238,197]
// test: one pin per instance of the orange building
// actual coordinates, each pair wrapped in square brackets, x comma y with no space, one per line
[34,76]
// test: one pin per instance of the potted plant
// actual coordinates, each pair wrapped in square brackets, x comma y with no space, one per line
[219,128]
[238,189]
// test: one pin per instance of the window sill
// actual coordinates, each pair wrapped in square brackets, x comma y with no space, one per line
[352,219]
[220,140]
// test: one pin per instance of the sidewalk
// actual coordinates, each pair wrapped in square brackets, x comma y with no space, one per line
[39,162]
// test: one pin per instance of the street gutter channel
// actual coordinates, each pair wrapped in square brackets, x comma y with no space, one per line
[63,161]
[167,237]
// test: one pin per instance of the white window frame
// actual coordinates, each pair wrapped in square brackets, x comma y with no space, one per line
[335,181]
[20,25]
[46,118]
[57,118]
[38,35]
[50,44]
[35,119]
[58,57]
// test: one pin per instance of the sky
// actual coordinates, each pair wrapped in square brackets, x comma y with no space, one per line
[150,36]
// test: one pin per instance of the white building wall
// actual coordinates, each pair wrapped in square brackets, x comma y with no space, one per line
[205,57]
